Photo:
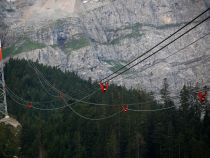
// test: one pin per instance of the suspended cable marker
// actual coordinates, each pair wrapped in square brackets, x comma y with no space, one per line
[202,96]
[29,105]
[152,110]
[125,108]
[104,87]
[202,93]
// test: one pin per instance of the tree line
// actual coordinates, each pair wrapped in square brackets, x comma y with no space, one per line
[172,133]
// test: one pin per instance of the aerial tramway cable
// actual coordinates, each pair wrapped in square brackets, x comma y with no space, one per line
[158,50]
[26,101]
[112,115]
[42,76]
[101,104]
[70,107]
[151,110]
[179,36]
[39,103]
[148,67]
[93,119]
[35,107]
[107,77]
[14,98]
[165,40]
[167,57]
[166,45]
[17,97]
[88,118]
[202,37]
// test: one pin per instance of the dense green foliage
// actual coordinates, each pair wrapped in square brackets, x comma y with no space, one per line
[171,133]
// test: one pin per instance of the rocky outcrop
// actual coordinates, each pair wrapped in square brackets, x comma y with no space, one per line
[10,136]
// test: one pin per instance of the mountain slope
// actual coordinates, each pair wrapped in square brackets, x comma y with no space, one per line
[103,36]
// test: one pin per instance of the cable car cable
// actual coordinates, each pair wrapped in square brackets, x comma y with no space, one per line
[154,46]
[159,49]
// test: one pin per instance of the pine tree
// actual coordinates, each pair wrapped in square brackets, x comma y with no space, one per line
[165,94]
[184,94]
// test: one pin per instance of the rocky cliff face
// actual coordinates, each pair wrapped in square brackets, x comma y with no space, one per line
[95,38]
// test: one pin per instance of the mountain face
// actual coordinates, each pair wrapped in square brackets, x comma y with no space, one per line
[96,37]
